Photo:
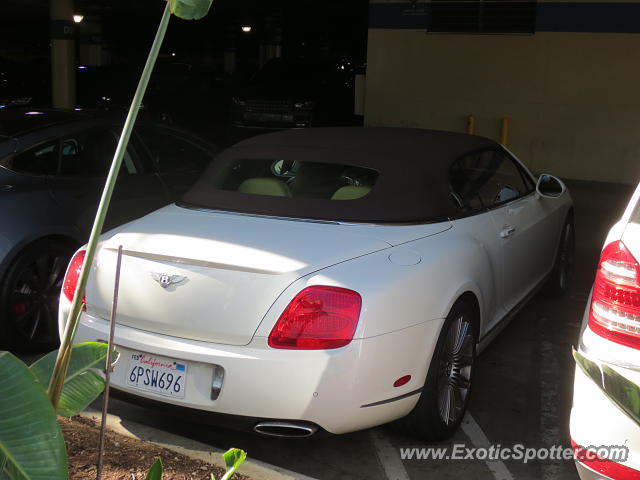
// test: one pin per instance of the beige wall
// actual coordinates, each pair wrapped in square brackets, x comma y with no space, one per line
[573,98]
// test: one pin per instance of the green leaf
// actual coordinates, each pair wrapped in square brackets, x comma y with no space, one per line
[624,393]
[233,458]
[190,9]
[155,472]
[31,441]
[82,385]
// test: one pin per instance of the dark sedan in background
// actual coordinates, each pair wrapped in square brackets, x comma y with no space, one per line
[296,93]
[53,165]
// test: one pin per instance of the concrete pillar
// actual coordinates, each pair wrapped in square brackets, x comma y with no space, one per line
[230,50]
[274,48]
[91,51]
[63,54]
[271,44]
[360,91]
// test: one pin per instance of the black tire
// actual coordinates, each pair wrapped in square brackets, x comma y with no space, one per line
[449,379]
[560,279]
[29,296]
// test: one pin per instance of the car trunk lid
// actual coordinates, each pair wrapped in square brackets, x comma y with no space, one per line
[213,276]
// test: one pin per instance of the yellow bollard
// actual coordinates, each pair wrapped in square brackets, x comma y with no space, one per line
[471,125]
[504,131]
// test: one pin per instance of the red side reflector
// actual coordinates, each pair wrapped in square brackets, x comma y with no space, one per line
[402,381]
[73,274]
[19,308]
[610,469]
[318,318]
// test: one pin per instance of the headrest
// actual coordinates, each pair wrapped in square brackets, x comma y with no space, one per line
[265,186]
[350,192]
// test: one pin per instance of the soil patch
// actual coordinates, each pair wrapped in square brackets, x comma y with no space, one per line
[126,458]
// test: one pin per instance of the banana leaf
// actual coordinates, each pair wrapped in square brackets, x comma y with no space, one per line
[82,385]
[31,442]
[190,9]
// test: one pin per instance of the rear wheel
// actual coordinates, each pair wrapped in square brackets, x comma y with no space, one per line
[29,296]
[445,396]
[562,274]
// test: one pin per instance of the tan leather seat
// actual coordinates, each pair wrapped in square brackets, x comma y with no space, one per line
[265,186]
[350,192]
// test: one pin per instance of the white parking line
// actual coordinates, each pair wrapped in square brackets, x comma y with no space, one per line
[394,468]
[472,430]
[389,457]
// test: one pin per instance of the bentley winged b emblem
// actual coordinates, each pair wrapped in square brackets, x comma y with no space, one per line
[166,281]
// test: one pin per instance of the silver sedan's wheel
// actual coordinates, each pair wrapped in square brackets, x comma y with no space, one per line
[455,369]
[29,296]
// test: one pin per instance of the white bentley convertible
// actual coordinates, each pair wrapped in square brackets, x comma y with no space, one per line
[329,279]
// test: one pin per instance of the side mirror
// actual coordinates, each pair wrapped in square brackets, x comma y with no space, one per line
[550,187]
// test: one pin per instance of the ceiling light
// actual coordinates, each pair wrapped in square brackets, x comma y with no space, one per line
[78,18]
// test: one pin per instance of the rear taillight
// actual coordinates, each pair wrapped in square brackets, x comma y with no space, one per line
[318,318]
[615,306]
[71,278]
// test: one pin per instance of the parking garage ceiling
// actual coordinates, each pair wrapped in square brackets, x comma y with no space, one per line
[24,24]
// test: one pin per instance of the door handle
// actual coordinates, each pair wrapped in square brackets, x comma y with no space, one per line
[507,231]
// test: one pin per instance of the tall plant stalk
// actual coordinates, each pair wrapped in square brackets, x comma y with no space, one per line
[64,354]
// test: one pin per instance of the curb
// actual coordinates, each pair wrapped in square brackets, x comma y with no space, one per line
[255,469]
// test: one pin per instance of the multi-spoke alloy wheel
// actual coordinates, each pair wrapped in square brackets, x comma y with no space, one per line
[560,279]
[565,257]
[30,295]
[455,369]
[447,388]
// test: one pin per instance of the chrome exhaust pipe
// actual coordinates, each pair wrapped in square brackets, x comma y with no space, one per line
[286,429]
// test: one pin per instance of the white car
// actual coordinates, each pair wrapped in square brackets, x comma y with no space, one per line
[332,279]
[610,337]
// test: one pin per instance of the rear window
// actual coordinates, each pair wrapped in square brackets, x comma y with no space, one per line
[362,175]
[296,179]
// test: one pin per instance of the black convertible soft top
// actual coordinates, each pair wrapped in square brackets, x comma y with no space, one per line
[413,166]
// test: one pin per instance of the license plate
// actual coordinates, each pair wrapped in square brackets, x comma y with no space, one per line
[160,375]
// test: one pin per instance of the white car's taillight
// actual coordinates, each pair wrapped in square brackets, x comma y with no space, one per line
[615,306]
[318,318]
[604,466]
[71,278]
